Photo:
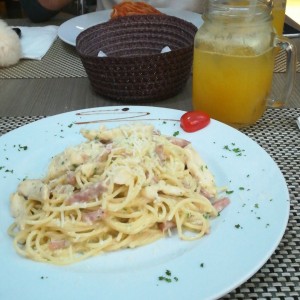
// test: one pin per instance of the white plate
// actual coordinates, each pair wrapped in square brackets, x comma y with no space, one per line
[241,240]
[70,29]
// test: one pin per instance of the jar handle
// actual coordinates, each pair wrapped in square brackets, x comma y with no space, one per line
[291,51]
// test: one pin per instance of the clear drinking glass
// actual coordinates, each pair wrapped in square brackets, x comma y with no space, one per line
[278,14]
[234,60]
[81,7]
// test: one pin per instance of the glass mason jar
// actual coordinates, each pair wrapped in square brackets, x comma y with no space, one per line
[234,61]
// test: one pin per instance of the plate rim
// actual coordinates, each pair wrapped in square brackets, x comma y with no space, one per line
[64,25]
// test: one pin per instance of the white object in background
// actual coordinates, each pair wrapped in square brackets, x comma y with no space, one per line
[292,13]
[298,122]
[10,46]
[36,41]
[165,49]
[101,54]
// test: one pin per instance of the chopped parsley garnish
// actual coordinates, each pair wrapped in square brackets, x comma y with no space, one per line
[176,133]
[22,148]
[203,167]
[229,192]
[168,277]
[236,150]
[206,215]
[188,214]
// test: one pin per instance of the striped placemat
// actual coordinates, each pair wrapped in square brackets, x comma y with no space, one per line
[62,61]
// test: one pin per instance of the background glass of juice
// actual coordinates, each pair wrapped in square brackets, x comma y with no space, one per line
[234,60]
[278,13]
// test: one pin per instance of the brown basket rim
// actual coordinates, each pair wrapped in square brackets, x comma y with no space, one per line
[146,19]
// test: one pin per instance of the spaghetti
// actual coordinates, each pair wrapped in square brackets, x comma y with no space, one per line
[121,188]
[129,8]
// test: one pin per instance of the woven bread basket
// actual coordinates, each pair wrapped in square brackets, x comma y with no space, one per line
[135,68]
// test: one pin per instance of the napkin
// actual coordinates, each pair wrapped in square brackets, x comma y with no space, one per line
[36,41]
[163,50]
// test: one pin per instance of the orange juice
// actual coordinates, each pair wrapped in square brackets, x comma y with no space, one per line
[278,13]
[232,88]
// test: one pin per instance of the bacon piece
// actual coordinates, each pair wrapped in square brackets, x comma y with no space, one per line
[58,244]
[90,192]
[179,142]
[104,155]
[206,194]
[159,150]
[166,225]
[93,216]
[71,178]
[220,204]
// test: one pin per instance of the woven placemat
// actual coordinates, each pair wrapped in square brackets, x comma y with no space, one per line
[280,63]
[62,61]
[279,135]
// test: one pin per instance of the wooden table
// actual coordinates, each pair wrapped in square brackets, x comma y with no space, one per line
[57,95]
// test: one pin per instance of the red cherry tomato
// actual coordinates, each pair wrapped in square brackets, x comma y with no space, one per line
[192,121]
